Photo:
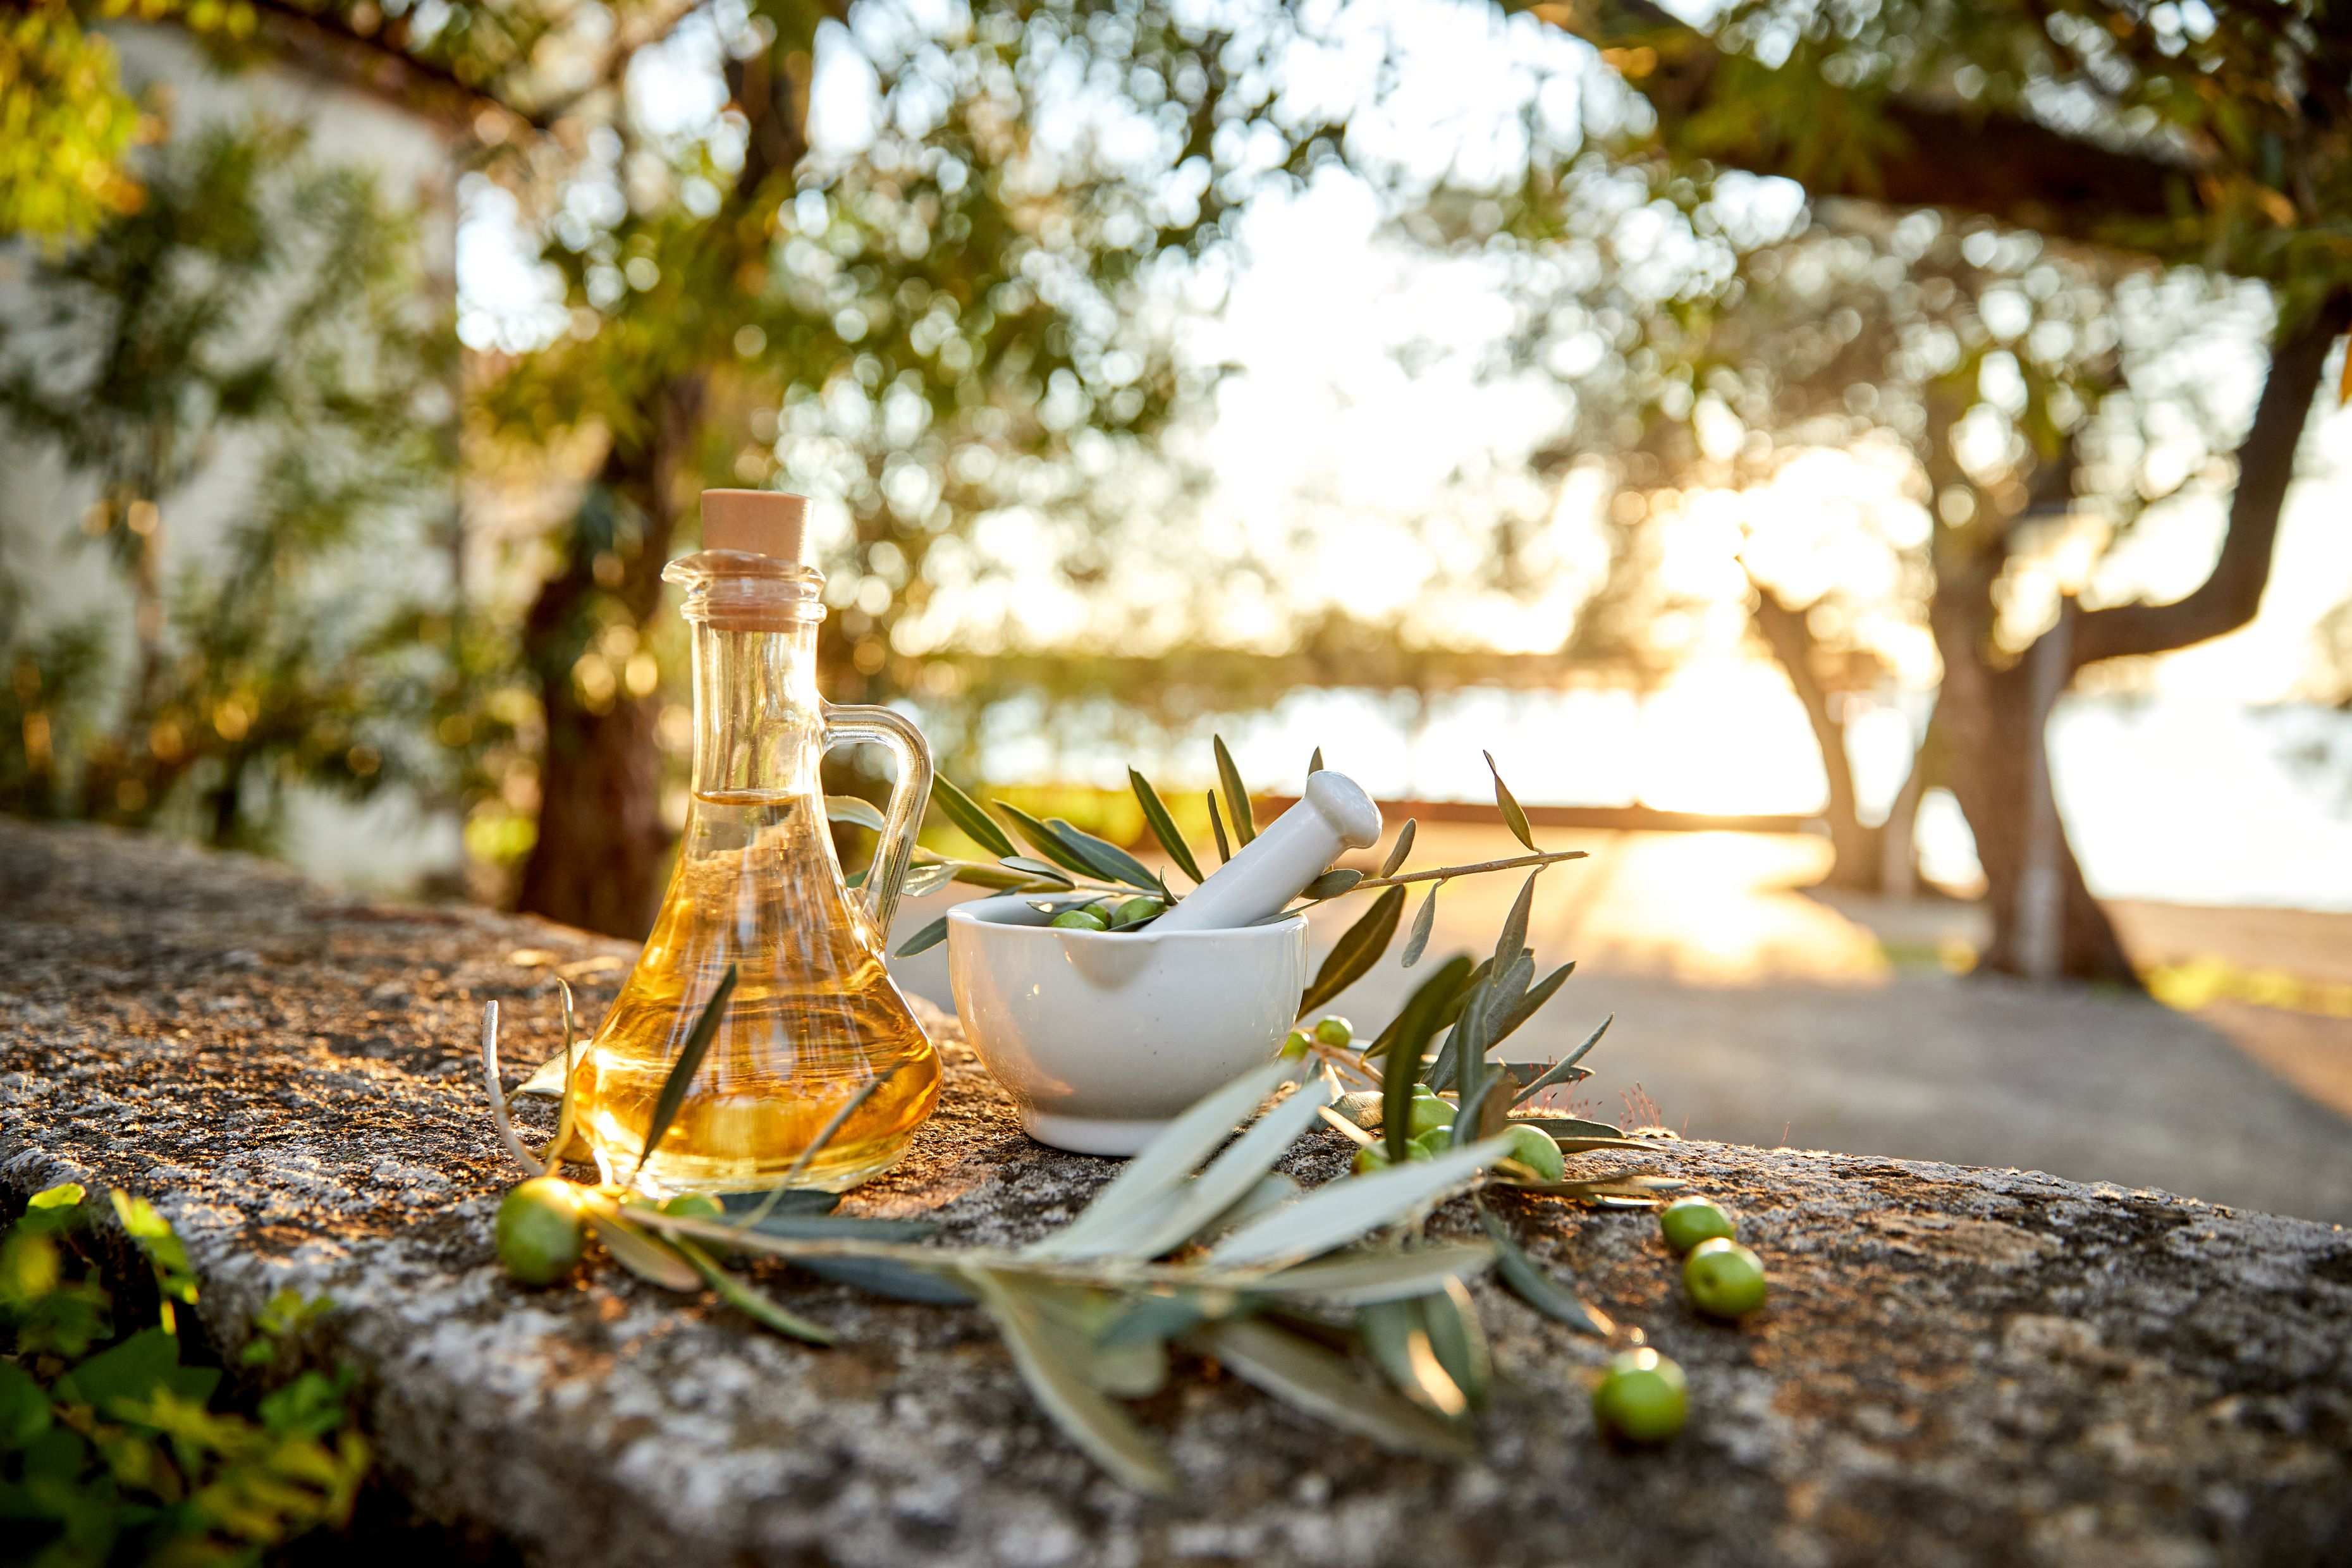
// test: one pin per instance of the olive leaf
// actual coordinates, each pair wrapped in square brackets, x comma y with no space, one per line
[1164,1165]
[1529,1282]
[1088,1418]
[1512,813]
[1228,1177]
[1331,884]
[975,823]
[749,1300]
[1310,1378]
[567,1109]
[1469,1114]
[1315,763]
[930,936]
[1418,1021]
[1400,848]
[890,1279]
[682,1072]
[797,1202]
[1398,1338]
[1165,1312]
[1513,939]
[1529,1005]
[1002,878]
[1164,825]
[1458,1339]
[1108,859]
[1047,842]
[1268,1193]
[1237,798]
[1037,871]
[1425,920]
[849,808]
[927,879]
[1217,827]
[1338,1212]
[1645,1185]
[648,1257]
[1564,1129]
[1565,1065]
[1386,1274]
[1358,948]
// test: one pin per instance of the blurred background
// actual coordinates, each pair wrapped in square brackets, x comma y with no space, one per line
[1876,474]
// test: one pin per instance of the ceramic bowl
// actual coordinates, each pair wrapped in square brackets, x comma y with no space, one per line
[1103,1038]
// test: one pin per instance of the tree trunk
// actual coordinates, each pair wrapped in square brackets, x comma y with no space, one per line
[598,860]
[1858,855]
[1987,718]
[1987,711]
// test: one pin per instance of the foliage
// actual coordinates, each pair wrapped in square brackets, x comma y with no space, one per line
[69,127]
[113,1447]
[261,311]
[66,126]
[2252,103]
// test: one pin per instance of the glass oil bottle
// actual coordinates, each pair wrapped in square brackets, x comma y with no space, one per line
[815,1017]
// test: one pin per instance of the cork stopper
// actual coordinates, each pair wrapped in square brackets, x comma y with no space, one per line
[759,523]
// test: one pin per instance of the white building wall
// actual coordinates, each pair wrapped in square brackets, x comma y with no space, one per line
[395,841]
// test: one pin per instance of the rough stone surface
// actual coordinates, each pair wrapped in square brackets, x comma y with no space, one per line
[1958,1366]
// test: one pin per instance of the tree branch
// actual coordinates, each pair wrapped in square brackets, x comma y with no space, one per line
[2011,169]
[1791,641]
[2229,597]
[377,63]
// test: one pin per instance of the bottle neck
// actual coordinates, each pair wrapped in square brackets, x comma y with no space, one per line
[757,717]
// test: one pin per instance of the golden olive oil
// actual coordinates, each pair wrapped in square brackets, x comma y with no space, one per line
[813,1018]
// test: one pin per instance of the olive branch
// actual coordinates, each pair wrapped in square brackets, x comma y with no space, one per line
[1200,1244]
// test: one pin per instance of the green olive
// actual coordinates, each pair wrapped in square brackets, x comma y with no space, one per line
[542,1233]
[1429,1113]
[1081,919]
[1334,1030]
[1723,1278]
[1136,911]
[694,1205]
[1535,1149]
[1372,1157]
[1418,1151]
[1642,1397]
[1296,1043]
[1687,1222]
[1437,1141]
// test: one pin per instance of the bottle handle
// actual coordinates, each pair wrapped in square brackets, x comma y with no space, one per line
[894,852]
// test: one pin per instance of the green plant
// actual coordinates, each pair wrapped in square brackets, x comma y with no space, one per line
[113,1450]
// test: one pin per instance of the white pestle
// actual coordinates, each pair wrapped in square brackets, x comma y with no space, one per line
[1334,814]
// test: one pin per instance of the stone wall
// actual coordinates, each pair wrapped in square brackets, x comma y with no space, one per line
[1958,1366]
